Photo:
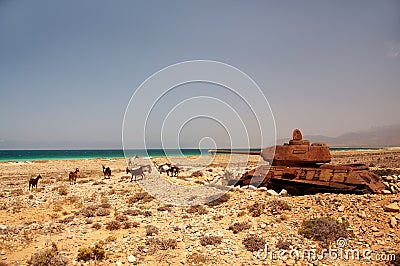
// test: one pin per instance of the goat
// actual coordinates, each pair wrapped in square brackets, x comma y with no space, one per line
[139,171]
[73,176]
[106,171]
[174,170]
[34,182]
[164,168]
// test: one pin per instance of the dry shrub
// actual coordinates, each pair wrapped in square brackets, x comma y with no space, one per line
[96,226]
[105,205]
[199,209]
[97,252]
[133,212]
[127,225]
[147,213]
[67,219]
[113,225]
[87,212]
[197,174]
[196,258]
[163,244]
[324,229]
[256,209]
[218,201]
[239,226]
[110,239]
[63,191]
[17,192]
[254,243]
[103,212]
[277,205]
[396,261]
[210,240]
[121,218]
[141,196]
[48,256]
[151,230]
[283,244]
[164,208]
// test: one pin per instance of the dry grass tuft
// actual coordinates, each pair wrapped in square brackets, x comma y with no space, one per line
[277,205]
[133,212]
[48,256]
[256,209]
[254,243]
[151,230]
[239,226]
[141,196]
[113,225]
[199,209]
[97,253]
[325,229]
[197,258]
[210,240]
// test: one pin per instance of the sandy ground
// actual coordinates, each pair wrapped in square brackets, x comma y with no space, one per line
[31,220]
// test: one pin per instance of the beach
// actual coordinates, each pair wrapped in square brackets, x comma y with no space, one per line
[133,228]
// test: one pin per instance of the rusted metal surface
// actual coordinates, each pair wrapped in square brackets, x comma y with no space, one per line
[302,168]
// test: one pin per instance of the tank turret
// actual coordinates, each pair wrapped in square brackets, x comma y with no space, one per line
[297,152]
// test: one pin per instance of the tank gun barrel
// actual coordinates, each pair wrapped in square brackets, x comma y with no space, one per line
[253,152]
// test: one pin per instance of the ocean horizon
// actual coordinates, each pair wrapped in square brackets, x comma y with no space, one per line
[41,155]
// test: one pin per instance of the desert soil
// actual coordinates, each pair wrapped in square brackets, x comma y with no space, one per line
[30,221]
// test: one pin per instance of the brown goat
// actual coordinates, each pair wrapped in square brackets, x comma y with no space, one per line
[73,176]
[34,182]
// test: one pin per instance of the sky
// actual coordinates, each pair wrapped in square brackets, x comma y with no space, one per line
[69,68]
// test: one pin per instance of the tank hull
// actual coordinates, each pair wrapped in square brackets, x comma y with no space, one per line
[352,178]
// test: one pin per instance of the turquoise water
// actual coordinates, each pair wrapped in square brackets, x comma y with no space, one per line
[32,155]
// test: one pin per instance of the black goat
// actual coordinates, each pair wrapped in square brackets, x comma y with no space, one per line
[106,171]
[34,182]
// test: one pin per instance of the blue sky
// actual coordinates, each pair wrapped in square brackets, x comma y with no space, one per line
[68,68]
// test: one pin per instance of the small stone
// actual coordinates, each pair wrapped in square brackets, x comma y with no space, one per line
[251,187]
[341,209]
[374,229]
[362,214]
[263,189]
[378,234]
[2,253]
[393,207]
[283,192]
[118,263]
[131,259]
[393,222]
[385,191]
[272,192]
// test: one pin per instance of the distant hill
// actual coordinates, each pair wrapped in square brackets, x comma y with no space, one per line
[384,136]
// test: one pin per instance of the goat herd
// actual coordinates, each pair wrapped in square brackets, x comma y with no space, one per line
[169,169]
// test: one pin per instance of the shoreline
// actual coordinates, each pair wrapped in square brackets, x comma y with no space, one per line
[80,154]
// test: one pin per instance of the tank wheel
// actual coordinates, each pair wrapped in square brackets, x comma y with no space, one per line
[311,191]
[293,191]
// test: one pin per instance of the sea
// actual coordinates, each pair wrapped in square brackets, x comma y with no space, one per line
[40,155]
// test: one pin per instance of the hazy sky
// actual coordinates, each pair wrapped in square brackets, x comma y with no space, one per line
[68,68]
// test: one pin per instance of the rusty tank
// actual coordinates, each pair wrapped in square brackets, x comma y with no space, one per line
[304,168]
